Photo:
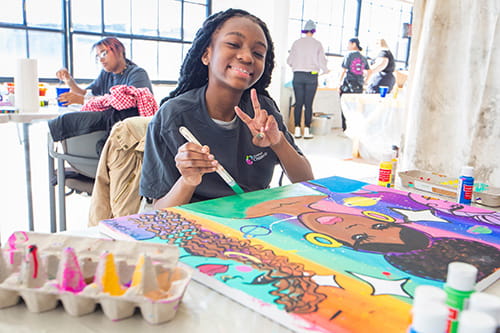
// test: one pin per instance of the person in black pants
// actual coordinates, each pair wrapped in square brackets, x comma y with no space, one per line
[304,88]
[307,58]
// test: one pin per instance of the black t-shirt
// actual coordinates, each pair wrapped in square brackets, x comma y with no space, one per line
[391,65]
[355,63]
[251,166]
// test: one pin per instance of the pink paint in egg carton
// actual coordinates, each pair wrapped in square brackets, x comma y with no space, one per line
[81,272]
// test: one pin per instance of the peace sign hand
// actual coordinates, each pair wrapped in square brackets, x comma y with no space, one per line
[263,127]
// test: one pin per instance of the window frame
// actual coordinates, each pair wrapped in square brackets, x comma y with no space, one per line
[69,33]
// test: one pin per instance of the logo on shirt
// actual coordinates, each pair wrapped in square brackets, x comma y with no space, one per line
[251,159]
[357,66]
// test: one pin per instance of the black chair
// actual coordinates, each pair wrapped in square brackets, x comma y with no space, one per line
[80,153]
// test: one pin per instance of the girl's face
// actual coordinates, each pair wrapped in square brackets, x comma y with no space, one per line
[236,55]
[109,60]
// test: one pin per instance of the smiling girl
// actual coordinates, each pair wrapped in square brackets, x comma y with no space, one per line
[221,98]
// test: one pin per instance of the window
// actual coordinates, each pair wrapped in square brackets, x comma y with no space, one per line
[34,33]
[156,34]
[384,19]
[336,22]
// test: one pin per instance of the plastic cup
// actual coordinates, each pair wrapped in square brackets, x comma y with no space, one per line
[383,91]
[60,91]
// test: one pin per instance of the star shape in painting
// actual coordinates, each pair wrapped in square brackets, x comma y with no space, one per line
[325,280]
[419,215]
[384,286]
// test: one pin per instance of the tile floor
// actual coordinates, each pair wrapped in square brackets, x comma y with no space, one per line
[329,155]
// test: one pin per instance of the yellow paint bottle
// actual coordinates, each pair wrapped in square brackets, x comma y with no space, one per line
[385,170]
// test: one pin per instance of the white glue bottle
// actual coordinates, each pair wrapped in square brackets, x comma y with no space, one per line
[431,318]
[476,322]
[429,312]
[486,303]
[425,294]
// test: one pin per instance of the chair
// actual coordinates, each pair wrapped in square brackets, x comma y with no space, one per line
[80,153]
[116,190]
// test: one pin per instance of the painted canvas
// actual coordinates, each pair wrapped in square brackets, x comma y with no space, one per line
[329,255]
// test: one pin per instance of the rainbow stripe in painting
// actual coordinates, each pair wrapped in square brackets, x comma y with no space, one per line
[329,255]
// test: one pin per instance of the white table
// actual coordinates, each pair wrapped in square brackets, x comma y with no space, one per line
[26,119]
[373,123]
[202,310]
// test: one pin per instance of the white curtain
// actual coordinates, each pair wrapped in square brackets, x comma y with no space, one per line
[453,116]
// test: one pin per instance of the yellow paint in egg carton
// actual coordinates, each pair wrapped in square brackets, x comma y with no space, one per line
[106,276]
[144,278]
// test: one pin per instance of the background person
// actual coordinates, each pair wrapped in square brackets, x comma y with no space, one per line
[306,58]
[117,70]
[354,70]
[382,68]
[221,98]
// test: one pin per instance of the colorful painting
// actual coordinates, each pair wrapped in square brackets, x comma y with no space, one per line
[329,255]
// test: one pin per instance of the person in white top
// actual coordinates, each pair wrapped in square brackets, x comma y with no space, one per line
[307,60]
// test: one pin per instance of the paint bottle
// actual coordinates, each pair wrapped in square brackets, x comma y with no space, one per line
[476,322]
[426,317]
[395,155]
[459,285]
[465,185]
[385,170]
[431,318]
[486,303]
[425,294]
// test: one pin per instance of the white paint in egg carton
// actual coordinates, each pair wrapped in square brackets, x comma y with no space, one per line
[159,260]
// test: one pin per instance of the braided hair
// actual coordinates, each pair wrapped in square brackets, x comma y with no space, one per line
[194,73]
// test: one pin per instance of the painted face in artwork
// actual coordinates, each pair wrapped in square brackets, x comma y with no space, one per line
[355,231]
[362,233]
[236,54]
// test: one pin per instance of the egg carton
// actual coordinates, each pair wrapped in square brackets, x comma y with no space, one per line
[447,186]
[81,272]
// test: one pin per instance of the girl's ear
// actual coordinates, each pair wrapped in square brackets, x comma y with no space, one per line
[205,57]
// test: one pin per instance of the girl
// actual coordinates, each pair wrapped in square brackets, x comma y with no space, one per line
[307,58]
[116,70]
[354,69]
[221,99]
[382,69]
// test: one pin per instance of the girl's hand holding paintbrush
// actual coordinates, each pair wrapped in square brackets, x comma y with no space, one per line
[193,161]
